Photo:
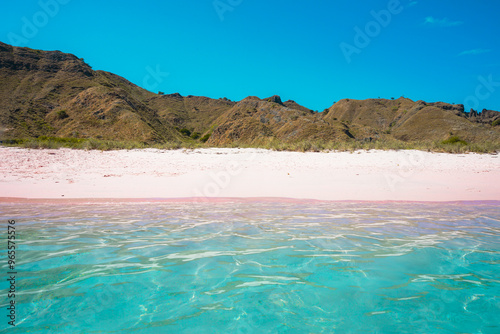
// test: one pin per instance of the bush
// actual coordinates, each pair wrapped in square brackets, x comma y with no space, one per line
[205,138]
[196,135]
[496,122]
[185,132]
[454,140]
[62,114]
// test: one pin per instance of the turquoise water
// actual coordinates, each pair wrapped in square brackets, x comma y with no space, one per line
[255,268]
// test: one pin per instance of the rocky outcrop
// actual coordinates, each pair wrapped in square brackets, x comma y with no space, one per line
[457,109]
[484,117]
[19,59]
[274,98]
[175,95]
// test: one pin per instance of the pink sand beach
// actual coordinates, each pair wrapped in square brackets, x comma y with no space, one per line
[248,173]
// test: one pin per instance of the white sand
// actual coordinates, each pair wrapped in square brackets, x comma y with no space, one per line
[150,173]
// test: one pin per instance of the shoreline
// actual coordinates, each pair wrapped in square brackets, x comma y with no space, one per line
[223,200]
[222,173]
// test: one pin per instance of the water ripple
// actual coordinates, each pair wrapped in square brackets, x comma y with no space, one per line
[257,267]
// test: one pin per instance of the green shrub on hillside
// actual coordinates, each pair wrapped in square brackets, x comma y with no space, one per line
[185,132]
[454,140]
[205,138]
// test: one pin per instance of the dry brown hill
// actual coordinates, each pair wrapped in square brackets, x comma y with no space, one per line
[256,121]
[195,113]
[56,94]
[407,120]
[51,93]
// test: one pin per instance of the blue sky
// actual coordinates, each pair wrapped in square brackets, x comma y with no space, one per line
[314,52]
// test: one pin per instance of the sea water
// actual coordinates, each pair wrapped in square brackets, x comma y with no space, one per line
[254,267]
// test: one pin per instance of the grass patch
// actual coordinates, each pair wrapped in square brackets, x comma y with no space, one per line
[44,142]
[383,144]
[448,146]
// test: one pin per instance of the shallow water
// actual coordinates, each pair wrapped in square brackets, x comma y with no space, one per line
[255,268]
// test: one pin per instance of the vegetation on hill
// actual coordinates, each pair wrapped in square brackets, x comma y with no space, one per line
[54,99]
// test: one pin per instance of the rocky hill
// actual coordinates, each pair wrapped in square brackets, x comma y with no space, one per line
[55,94]
[407,120]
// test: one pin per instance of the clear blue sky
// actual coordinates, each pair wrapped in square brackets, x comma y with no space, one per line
[308,51]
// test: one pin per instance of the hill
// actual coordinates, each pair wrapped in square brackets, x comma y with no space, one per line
[55,94]
[406,120]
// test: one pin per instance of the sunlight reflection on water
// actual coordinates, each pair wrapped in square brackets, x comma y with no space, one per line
[257,267]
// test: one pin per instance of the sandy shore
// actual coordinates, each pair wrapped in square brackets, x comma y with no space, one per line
[150,173]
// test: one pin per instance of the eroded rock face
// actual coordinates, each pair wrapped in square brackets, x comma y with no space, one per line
[18,59]
[485,116]
[274,98]
[175,95]
[457,109]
